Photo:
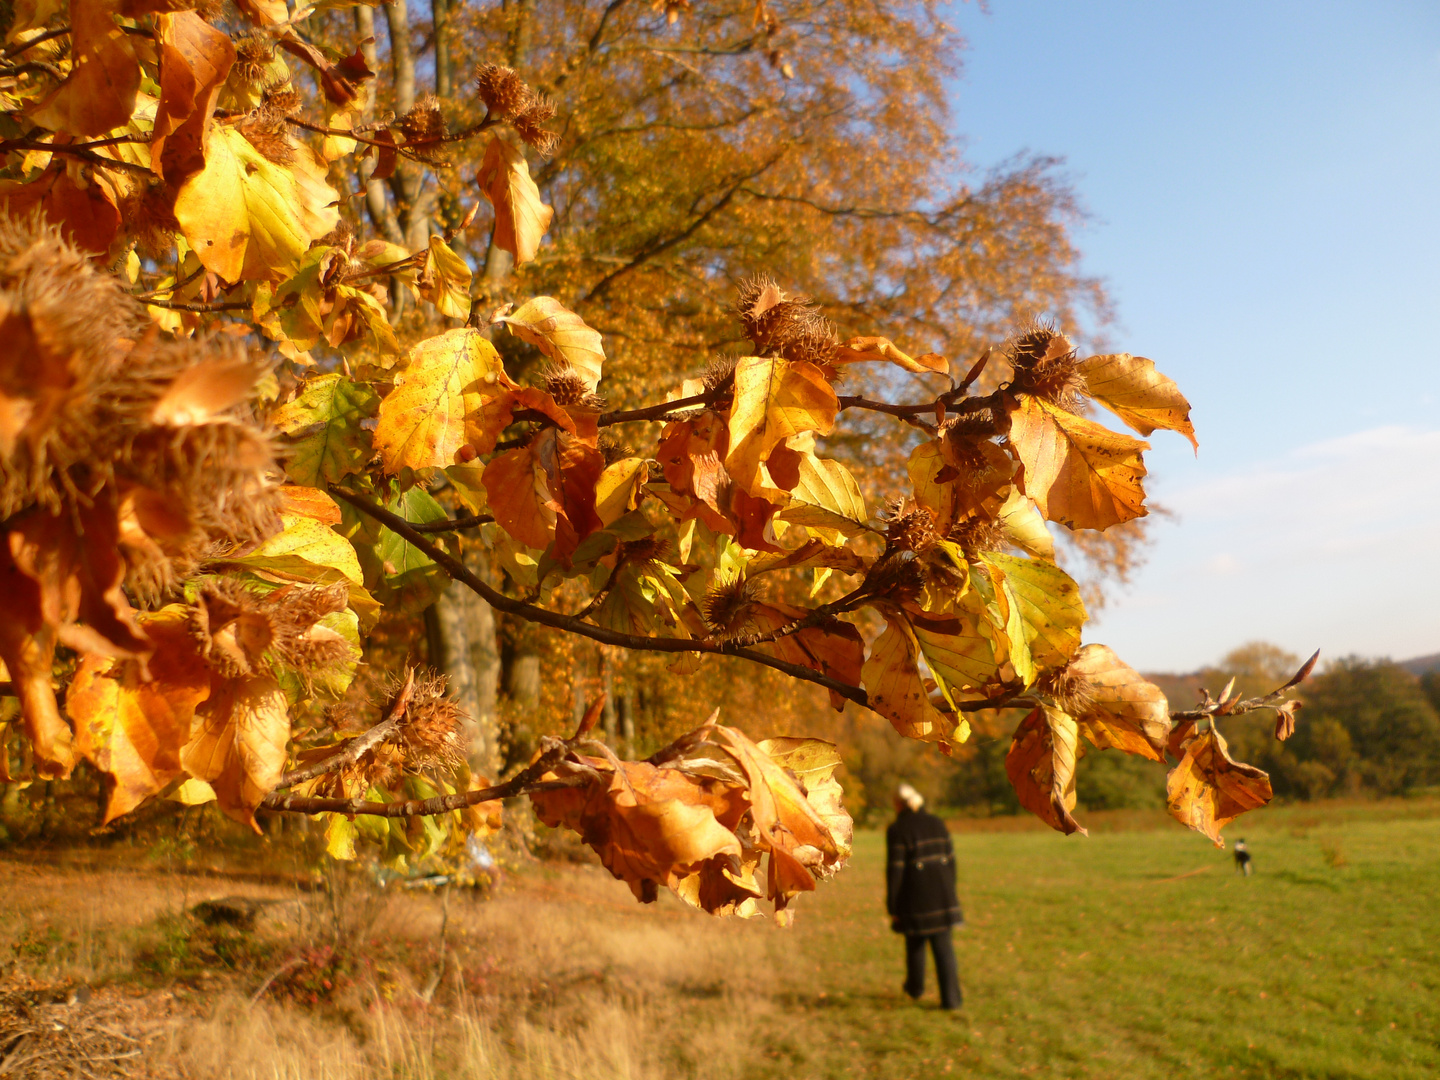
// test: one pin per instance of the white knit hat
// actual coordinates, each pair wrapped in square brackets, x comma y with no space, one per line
[909,796]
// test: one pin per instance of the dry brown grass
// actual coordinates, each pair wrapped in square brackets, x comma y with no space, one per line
[562,975]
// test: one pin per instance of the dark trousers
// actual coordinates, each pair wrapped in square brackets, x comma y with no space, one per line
[946,971]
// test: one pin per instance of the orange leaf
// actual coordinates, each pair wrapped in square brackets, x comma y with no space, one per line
[834,648]
[1209,789]
[195,60]
[1131,388]
[521,219]
[775,400]
[1079,473]
[238,747]
[1124,711]
[1041,767]
[517,483]
[898,693]
[132,727]
[101,90]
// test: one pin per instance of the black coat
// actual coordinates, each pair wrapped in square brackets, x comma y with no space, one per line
[920,875]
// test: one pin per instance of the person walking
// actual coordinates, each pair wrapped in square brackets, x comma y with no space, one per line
[920,894]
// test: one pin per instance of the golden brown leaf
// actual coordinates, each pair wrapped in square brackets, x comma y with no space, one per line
[561,335]
[1131,388]
[774,400]
[100,92]
[1209,789]
[897,692]
[195,59]
[1123,711]
[248,217]
[1041,767]
[199,393]
[439,402]
[521,219]
[834,648]
[1079,473]
[131,727]
[238,746]
[878,348]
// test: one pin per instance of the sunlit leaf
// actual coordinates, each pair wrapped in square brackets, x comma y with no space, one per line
[1041,766]
[1131,388]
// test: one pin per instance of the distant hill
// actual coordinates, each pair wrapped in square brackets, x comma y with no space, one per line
[1422,665]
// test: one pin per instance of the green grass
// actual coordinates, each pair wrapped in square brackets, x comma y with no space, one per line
[1111,956]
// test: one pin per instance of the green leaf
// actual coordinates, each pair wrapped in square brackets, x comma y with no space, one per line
[1049,605]
[412,580]
[827,498]
[326,440]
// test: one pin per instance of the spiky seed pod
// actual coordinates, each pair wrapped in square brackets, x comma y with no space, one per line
[909,527]
[727,607]
[503,91]
[612,449]
[896,575]
[241,633]
[530,125]
[430,733]
[1045,365]
[784,325]
[424,124]
[264,126]
[718,372]
[1071,689]
[978,533]
[565,385]
[253,55]
[647,549]
[282,100]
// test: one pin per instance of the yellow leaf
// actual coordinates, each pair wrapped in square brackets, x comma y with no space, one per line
[1025,526]
[827,497]
[1123,711]
[619,488]
[521,219]
[1131,388]
[892,681]
[238,746]
[1041,767]
[340,836]
[132,728]
[878,348]
[560,334]
[1048,602]
[192,792]
[247,217]
[446,281]
[306,542]
[964,655]
[424,420]
[775,400]
[1209,789]
[100,92]
[1079,473]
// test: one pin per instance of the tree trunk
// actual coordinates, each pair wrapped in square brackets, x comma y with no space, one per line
[461,627]
[440,10]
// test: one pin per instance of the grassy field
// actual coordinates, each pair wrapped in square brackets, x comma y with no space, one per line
[1133,953]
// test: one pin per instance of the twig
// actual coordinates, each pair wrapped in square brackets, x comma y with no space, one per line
[471,521]
[1236,708]
[20,46]
[357,747]
[186,280]
[523,783]
[227,305]
[289,965]
[660,411]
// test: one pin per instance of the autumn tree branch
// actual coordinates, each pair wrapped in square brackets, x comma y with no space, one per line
[357,747]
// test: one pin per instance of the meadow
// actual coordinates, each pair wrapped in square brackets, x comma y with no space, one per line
[1135,952]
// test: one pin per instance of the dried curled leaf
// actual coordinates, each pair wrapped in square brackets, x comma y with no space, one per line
[699,815]
[1041,767]
[1209,789]
[1131,388]
[521,219]
[1119,709]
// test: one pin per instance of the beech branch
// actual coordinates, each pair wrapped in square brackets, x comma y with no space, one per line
[357,747]
[523,783]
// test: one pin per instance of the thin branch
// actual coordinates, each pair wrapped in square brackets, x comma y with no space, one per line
[228,305]
[470,521]
[1212,709]
[660,411]
[171,287]
[356,748]
[20,46]
[73,151]
[570,624]
[523,783]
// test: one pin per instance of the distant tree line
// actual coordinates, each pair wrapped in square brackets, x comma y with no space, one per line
[1369,727]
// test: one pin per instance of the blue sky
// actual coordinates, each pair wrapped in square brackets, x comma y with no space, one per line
[1263,181]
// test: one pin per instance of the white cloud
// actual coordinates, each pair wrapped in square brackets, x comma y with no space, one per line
[1335,544]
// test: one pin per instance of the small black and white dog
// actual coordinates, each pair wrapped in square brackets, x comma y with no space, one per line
[1242,857]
